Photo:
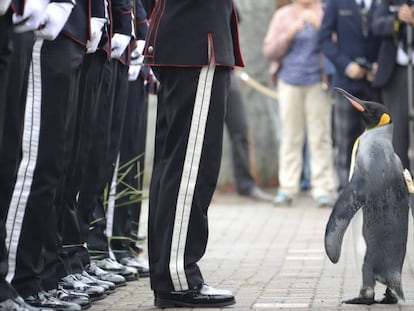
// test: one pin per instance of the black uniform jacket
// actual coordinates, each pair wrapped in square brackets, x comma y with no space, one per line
[385,25]
[78,25]
[18,5]
[180,32]
[344,19]
[148,6]
[141,21]
[120,21]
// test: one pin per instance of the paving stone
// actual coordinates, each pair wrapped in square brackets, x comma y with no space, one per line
[272,259]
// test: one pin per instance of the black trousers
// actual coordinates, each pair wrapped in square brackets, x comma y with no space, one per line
[63,217]
[125,215]
[92,180]
[104,154]
[86,122]
[51,106]
[13,125]
[237,126]
[188,145]
[6,51]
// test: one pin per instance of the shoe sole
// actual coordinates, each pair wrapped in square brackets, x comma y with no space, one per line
[97,298]
[283,204]
[167,303]
[86,306]
[110,291]
[130,278]
[92,298]
[120,284]
[143,274]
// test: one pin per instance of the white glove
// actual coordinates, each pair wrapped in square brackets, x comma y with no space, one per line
[97,25]
[4,6]
[33,16]
[57,14]
[140,46]
[133,72]
[136,55]
[136,61]
[119,44]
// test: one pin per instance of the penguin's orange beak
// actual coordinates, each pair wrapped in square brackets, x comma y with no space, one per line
[353,100]
[357,105]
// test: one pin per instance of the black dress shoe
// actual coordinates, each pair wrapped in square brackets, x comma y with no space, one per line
[18,304]
[71,282]
[202,296]
[103,275]
[110,265]
[93,281]
[138,263]
[45,300]
[69,296]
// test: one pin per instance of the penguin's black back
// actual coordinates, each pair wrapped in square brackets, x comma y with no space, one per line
[384,199]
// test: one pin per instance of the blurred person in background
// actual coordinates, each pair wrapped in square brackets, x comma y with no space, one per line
[304,105]
[346,40]
[238,128]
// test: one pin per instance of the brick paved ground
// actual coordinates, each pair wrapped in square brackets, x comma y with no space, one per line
[272,259]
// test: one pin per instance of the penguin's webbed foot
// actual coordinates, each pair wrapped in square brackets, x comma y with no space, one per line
[360,301]
[389,297]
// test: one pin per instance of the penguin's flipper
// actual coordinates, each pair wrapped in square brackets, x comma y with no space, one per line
[344,209]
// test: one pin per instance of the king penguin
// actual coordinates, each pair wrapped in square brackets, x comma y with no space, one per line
[378,187]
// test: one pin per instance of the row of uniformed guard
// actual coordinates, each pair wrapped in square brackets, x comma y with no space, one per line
[63,149]
[68,112]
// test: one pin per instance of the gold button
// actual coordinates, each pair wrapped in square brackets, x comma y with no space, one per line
[150,49]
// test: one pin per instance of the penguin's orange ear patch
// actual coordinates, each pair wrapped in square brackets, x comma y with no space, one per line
[385,119]
[357,105]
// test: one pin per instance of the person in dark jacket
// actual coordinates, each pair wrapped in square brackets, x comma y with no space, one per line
[390,22]
[346,40]
[237,125]
[192,47]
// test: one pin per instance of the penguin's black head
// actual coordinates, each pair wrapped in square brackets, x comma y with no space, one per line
[373,114]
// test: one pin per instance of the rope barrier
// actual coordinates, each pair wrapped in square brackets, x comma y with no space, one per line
[255,84]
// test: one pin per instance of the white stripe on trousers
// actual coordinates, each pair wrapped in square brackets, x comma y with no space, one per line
[27,166]
[110,212]
[189,176]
